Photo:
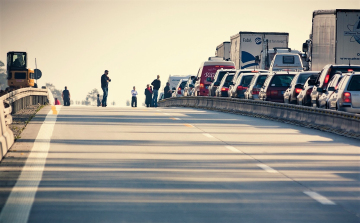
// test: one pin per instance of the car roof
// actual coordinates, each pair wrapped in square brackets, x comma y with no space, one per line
[284,72]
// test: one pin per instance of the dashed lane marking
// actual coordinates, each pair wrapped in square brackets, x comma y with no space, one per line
[267,168]
[175,119]
[188,125]
[18,206]
[233,149]
[208,135]
[319,198]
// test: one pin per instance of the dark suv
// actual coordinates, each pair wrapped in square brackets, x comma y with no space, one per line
[275,86]
[326,74]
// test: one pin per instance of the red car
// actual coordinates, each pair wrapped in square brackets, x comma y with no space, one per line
[275,86]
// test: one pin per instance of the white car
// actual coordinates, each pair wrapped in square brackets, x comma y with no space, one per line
[347,95]
[179,91]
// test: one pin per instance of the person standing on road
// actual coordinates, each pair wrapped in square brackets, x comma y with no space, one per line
[156,83]
[104,85]
[66,97]
[148,96]
[167,91]
[134,99]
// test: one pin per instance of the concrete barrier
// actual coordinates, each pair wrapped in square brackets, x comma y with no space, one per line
[13,102]
[328,120]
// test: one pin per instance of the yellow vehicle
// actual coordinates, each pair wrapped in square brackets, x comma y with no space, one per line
[19,76]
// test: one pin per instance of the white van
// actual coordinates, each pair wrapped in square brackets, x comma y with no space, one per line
[286,62]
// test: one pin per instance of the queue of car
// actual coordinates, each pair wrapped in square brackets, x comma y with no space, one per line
[335,87]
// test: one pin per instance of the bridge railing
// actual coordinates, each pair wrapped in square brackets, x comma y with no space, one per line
[338,122]
[13,102]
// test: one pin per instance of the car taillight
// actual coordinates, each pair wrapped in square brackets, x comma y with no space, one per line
[255,91]
[309,91]
[179,91]
[298,90]
[347,97]
[327,77]
[201,85]
[241,88]
[224,89]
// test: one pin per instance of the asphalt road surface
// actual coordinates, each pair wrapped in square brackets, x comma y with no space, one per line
[92,164]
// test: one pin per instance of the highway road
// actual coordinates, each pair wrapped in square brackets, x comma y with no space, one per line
[91,164]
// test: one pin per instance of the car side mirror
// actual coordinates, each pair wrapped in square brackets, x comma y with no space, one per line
[257,59]
[320,90]
[331,89]
[208,79]
[217,83]
[305,47]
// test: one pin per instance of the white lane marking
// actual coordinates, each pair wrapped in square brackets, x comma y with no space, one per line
[319,198]
[176,118]
[267,168]
[208,135]
[18,206]
[233,149]
[166,114]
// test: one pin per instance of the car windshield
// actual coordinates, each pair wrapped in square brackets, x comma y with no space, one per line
[222,74]
[182,85]
[229,78]
[261,79]
[246,80]
[354,83]
[302,78]
[281,80]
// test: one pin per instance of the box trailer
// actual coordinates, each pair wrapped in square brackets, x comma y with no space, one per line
[223,50]
[245,46]
[334,38]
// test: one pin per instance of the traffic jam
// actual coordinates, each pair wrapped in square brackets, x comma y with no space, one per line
[261,66]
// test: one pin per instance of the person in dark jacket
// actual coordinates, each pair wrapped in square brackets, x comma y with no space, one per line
[156,84]
[104,86]
[148,96]
[66,97]
[167,91]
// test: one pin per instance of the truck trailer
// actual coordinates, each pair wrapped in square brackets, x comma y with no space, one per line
[334,38]
[245,46]
[223,50]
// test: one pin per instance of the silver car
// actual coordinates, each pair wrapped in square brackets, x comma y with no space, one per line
[347,96]
[252,92]
[188,89]
[333,84]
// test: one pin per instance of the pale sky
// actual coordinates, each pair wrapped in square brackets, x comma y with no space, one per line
[74,41]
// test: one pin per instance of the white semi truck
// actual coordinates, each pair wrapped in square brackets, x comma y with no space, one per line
[334,38]
[245,46]
[223,50]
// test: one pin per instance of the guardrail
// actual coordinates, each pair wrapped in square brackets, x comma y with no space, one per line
[342,123]
[13,102]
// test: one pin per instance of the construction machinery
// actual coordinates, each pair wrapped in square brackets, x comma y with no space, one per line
[19,76]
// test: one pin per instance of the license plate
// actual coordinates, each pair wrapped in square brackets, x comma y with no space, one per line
[19,80]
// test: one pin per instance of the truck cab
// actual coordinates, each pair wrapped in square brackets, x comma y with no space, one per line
[286,61]
[18,74]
